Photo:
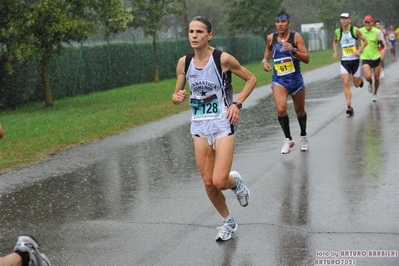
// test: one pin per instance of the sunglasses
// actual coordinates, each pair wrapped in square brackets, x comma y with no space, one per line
[367,22]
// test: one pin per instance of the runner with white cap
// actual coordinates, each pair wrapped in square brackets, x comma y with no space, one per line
[347,36]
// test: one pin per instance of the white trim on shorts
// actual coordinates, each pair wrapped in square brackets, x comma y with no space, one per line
[301,88]
[344,71]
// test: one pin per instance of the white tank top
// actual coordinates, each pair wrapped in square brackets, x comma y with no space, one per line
[348,46]
[208,99]
[391,35]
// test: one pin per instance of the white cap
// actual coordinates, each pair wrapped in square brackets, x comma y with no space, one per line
[345,15]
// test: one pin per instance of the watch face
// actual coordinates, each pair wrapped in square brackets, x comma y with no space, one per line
[239,105]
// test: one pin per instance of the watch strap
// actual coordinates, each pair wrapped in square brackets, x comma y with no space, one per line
[239,105]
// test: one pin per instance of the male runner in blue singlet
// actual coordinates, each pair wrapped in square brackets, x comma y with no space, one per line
[287,49]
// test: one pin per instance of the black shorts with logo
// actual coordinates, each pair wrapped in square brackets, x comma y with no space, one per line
[372,63]
[351,65]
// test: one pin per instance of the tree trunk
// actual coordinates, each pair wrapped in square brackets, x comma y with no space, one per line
[185,19]
[48,98]
[154,47]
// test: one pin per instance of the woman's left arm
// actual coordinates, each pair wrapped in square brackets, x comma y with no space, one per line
[230,63]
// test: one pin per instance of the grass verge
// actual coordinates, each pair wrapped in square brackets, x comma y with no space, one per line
[34,132]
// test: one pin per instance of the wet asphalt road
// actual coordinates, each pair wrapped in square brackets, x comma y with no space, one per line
[137,198]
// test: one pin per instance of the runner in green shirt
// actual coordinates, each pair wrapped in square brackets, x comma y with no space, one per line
[371,55]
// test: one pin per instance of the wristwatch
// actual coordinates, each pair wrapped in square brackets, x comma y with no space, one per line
[295,51]
[239,105]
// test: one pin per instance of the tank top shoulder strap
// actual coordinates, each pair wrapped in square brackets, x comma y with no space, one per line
[291,39]
[274,40]
[188,60]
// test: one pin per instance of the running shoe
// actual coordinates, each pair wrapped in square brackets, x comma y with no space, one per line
[27,243]
[226,230]
[382,74]
[349,111]
[375,98]
[304,146]
[361,83]
[241,190]
[371,86]
[288,144]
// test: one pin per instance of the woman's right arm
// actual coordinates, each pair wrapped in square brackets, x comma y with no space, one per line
[180,94]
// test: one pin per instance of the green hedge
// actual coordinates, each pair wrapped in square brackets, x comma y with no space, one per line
[90,68]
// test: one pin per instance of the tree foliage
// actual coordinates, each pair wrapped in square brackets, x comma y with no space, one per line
[256,16]
[148,15]
[329,13]
[330,10]
[12,20]
[301,12]
[208,8]
[113,16]
[41,28]
[312,11]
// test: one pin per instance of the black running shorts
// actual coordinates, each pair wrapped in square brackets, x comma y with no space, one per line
[351,65]
[372,63]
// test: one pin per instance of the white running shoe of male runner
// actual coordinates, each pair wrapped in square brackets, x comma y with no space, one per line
[288,144]
[304,145]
